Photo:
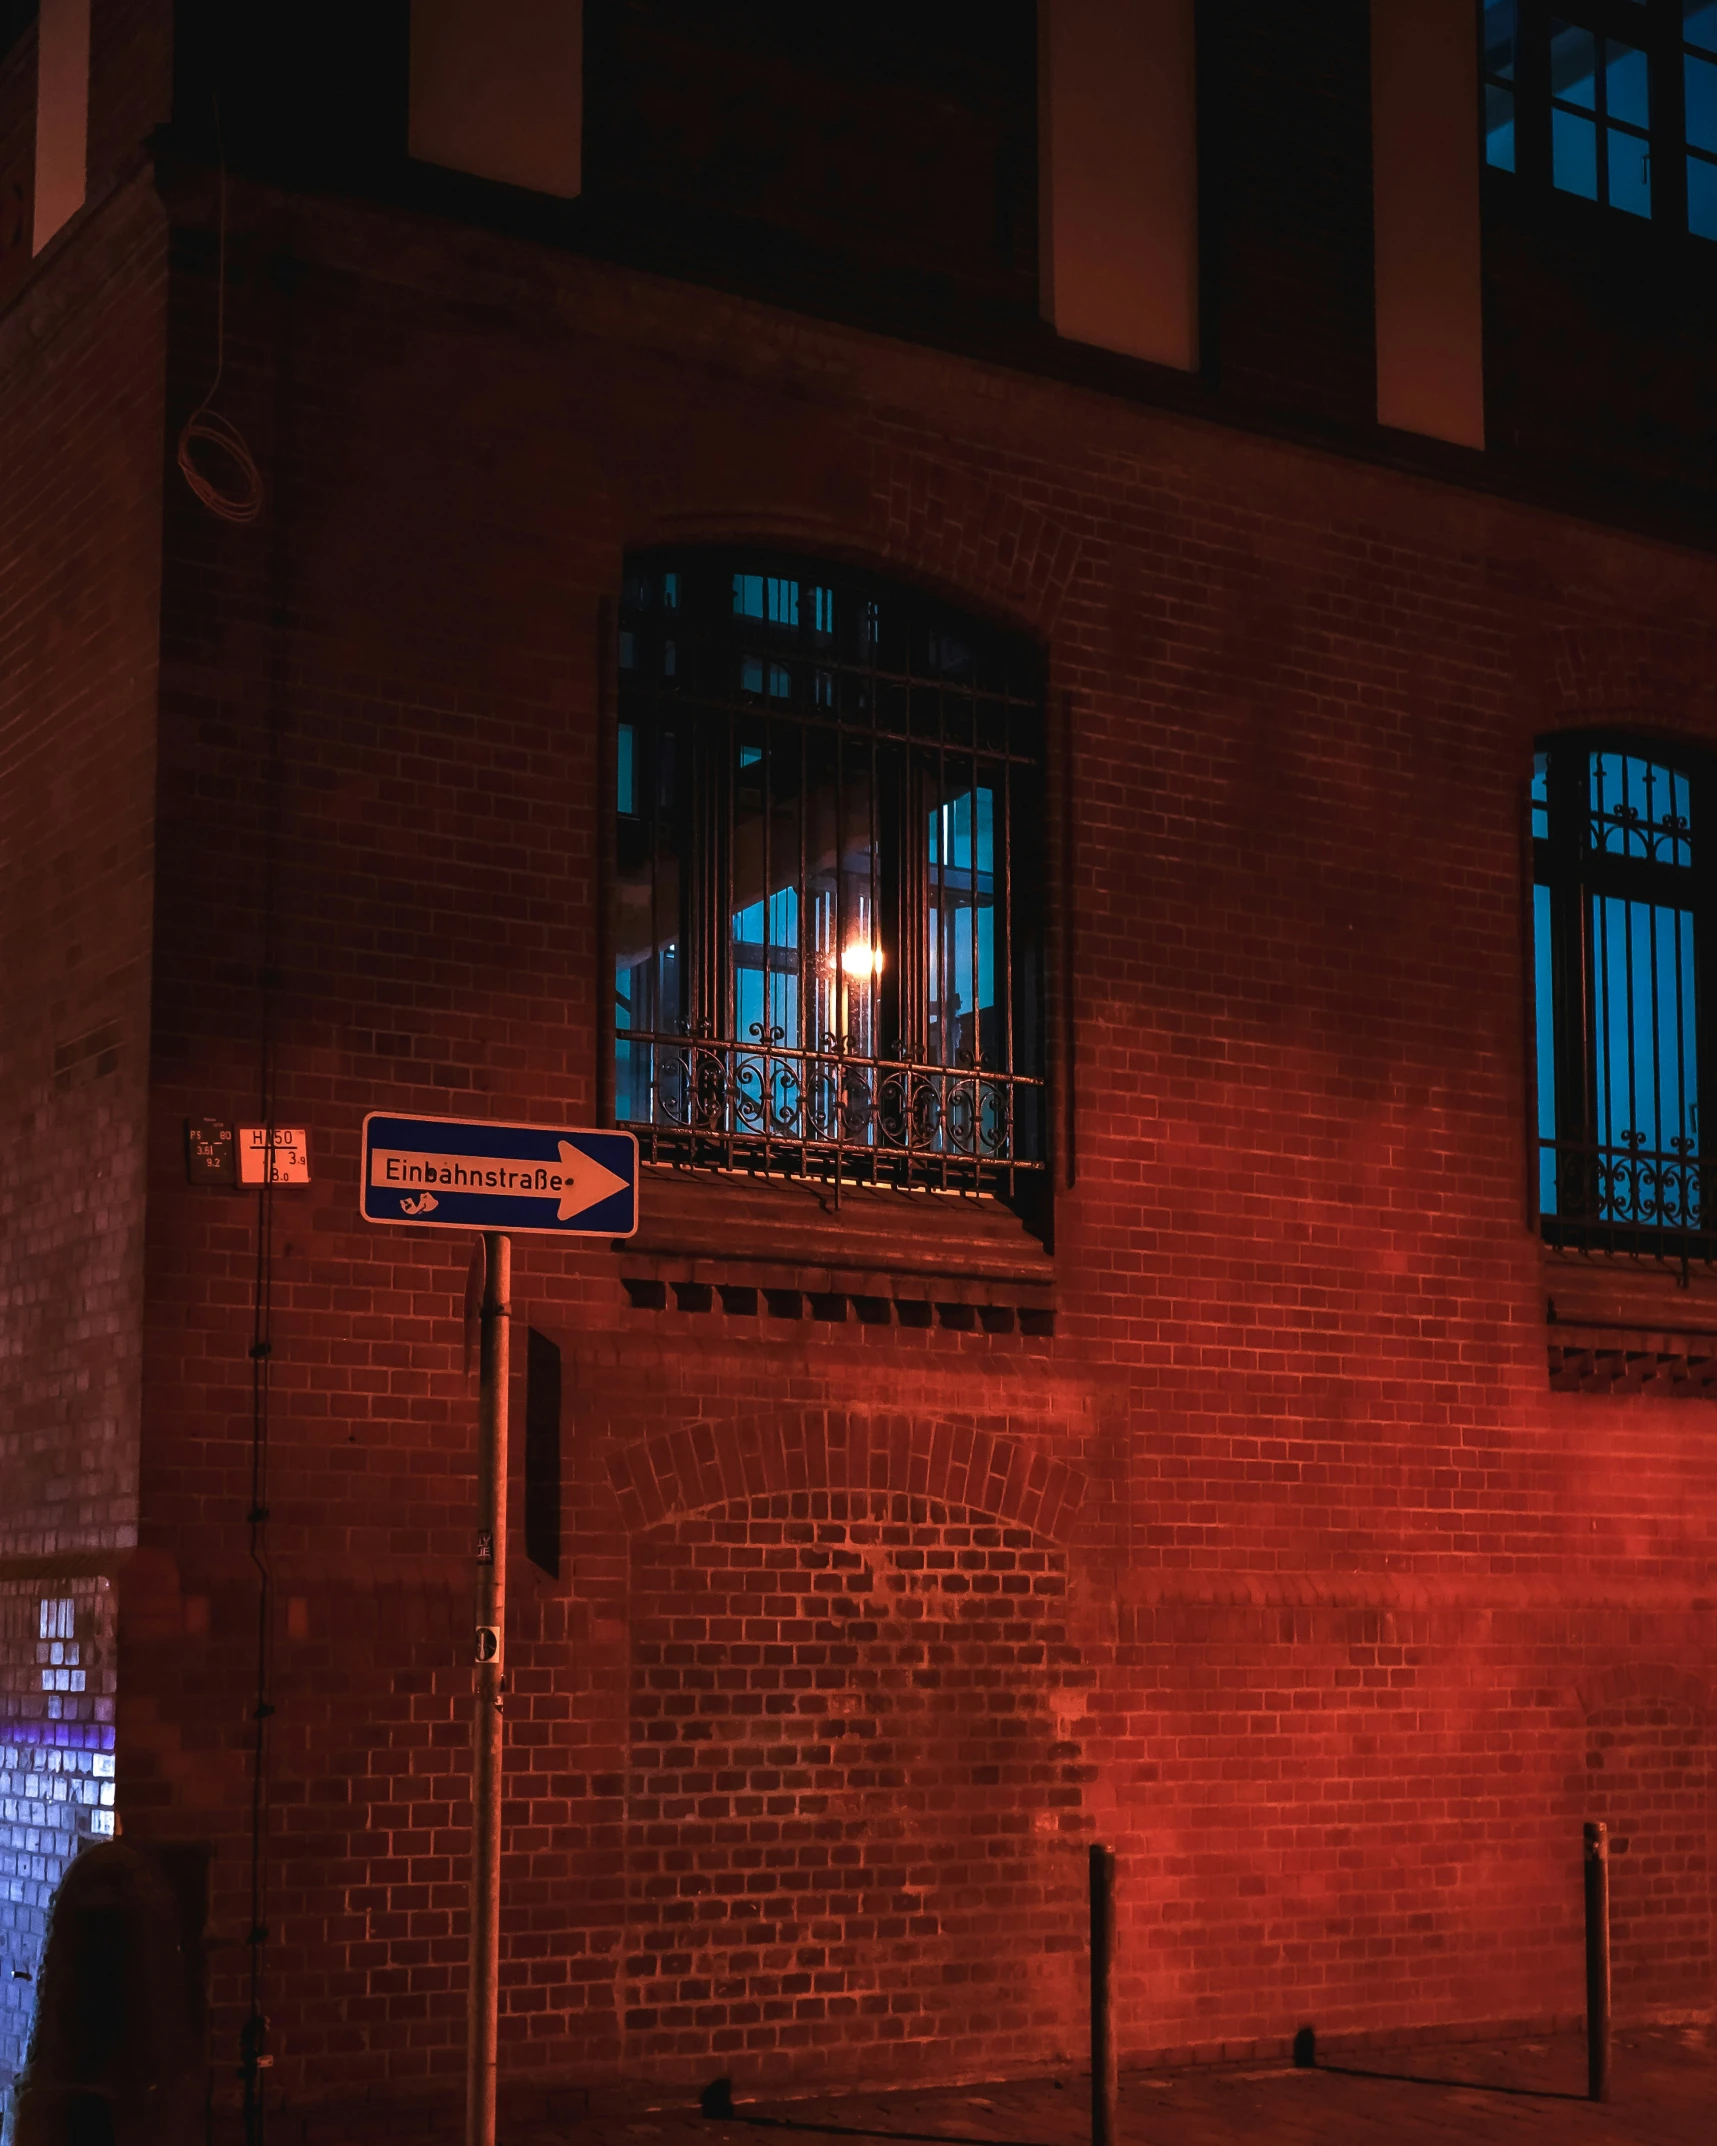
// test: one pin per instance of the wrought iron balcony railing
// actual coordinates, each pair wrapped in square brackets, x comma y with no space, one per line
[828,1113]
[1629,1196]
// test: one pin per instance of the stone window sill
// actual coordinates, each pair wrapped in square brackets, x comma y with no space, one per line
[712,1238]
[1620,1325]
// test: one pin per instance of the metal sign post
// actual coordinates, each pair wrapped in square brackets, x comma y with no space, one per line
[545,1180]
[491,1659]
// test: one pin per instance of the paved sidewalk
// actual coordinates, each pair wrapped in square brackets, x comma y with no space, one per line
[1521,2093]
[1514,2093]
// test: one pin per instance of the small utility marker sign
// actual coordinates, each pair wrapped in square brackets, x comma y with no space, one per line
[449,1173]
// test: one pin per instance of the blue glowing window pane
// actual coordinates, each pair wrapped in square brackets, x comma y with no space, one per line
[1646,1064]
[1574,154]
[1626,93]
[1574,65]
[951,833]
[1701,103]
[1499,127]
[1499,38]
[766,596]
[766,982]
[671,592]
[755,675]
[1630,173]
[1701,198]
[625,784]
[822,610]
[961,937]
[1545,1027]
[1699,23]
[1541,794]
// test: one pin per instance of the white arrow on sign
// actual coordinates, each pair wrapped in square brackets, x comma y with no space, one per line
[576,1181]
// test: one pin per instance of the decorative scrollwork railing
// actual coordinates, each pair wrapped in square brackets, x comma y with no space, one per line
[1626,1193]
[828,1112]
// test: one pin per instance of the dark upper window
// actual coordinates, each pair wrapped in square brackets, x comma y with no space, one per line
[1621,835]
[829,792]
[1611,100]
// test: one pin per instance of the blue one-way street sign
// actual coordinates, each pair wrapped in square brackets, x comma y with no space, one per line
[447,1173]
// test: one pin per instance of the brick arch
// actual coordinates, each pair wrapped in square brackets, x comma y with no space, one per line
[1618,674]
[957,533]
[943,1459]
[855,1795]
[1645,1683]
[963,530]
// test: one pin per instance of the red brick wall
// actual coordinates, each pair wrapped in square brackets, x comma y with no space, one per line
[1339,1569]
[81,372]
[1649,1771]
[80,387]
[848,1785]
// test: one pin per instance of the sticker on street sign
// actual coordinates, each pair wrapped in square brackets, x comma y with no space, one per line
[449,1173]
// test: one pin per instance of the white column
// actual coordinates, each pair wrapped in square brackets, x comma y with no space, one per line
[497,89]
[62,115]
[1118,176]
[1425,158]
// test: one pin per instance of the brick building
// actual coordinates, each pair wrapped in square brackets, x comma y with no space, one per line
[1068,652]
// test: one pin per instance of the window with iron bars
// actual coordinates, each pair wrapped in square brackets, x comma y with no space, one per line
[1621,897]
[827,932]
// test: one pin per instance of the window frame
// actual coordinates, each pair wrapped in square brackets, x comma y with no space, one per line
[1653,27]
[1574,1162]
[963,1106]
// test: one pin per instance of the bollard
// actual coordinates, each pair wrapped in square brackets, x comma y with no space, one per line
[1597,1962]
[1105,2077]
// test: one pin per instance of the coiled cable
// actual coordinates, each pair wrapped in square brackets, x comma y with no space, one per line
[239,501]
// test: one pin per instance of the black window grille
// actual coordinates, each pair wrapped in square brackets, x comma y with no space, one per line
[828,938]
[1621,842]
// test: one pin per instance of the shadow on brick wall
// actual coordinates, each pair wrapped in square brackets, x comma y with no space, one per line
[115,2058]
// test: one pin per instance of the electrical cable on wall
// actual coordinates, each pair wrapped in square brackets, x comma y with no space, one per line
[255,2057]
[206,426]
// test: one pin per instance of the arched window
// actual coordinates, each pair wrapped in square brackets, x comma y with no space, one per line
[830,799]
[1621,843]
